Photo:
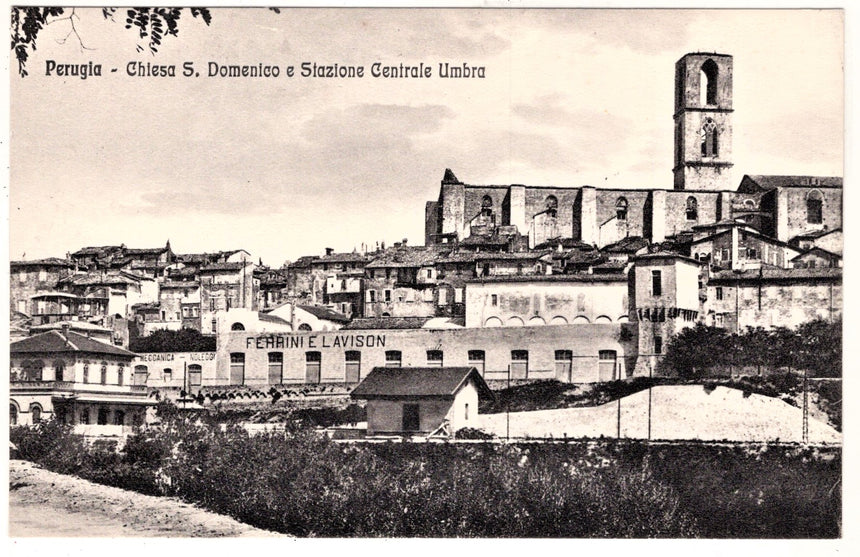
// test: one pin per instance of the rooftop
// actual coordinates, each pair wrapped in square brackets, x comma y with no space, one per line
[325,313]
[775,274]
[216,267]
[515,256]
[387,323]
[814,234]
[630,244]
[66,341]
[384,382]
[573,277]
[353,257]
[769,182]
[47,262]
[405,256]
[272,319]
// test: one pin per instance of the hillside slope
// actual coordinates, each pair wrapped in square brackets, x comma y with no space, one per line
[677,412]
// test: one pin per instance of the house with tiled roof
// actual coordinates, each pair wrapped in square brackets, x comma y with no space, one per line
[773,297]
[121,289]
[226,285]
[35,276]
[304,317]
[817,258]
[738,246]
[830,240]
[401,281]
[423,401]
[75,379]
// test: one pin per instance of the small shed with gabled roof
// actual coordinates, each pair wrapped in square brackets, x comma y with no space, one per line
[421,400]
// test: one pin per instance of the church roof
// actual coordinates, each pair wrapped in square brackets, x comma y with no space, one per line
[449,177]
[769,181]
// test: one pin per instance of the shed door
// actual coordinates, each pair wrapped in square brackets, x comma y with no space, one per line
[607,365]
[411,417]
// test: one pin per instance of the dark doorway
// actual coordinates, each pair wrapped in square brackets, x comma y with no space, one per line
[411,418]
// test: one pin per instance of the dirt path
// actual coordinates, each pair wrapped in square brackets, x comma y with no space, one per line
[45,504]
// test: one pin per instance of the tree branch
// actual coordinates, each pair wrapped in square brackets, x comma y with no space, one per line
[74,30]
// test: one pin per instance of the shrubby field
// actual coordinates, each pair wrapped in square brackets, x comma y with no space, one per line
[300,483]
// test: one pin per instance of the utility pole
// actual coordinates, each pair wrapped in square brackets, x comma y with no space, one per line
[650,385]
[805,434]
[508,407]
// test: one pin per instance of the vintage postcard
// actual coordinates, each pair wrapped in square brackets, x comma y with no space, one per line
[426,273]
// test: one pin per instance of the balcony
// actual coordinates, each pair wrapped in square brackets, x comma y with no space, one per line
[45,386]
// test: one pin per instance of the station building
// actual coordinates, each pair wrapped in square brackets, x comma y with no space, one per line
[67,376]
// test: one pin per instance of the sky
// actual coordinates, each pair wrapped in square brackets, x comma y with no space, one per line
[286,167]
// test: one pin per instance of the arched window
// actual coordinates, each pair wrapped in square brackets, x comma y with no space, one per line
[551,205]
[103,376]
[814,207]
[621,209]
[749,204]
[237,327]
[486,206]
[35,413]
[305,327]
[120,373]
[195,375]
[141,374]
[59,370]
[692,208]
[708,83]
[710,140]
[86,372]
[13,414]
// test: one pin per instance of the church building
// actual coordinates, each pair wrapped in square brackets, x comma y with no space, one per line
[782,207]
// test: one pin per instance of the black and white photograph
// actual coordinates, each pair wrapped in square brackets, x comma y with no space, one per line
[412,272]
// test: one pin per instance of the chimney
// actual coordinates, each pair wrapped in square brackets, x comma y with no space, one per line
[65,326]
[329,251]
[405,241]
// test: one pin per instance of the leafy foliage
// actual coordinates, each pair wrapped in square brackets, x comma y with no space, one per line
[301,483]
[700,351]
[27,21]
[153,25]
[183,340]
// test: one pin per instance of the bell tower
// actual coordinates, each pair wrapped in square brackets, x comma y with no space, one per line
[703,122]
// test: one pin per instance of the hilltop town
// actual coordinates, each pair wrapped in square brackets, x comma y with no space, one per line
[574,283]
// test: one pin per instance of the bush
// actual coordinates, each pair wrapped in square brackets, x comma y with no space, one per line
[301,483]
[471,433]
[50,444]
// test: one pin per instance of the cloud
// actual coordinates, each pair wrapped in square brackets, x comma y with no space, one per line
[588,134]
[645,31]
[337,154]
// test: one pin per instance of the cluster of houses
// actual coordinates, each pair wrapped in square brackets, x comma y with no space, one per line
[579,284]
